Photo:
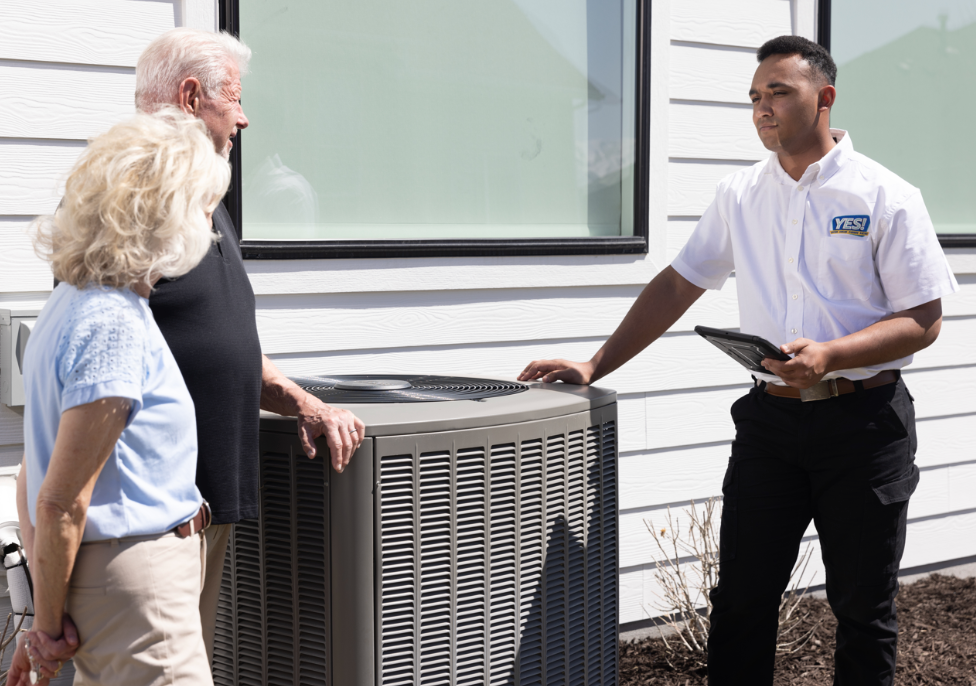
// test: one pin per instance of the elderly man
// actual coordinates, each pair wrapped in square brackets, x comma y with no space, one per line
[207,316]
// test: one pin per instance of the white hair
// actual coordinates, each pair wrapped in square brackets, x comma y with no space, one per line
[135,204]
[181,53]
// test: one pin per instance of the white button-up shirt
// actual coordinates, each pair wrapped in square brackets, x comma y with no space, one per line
[822,257]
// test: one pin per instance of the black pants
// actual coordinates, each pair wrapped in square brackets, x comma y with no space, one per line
[847,463]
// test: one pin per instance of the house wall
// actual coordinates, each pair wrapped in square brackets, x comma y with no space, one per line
[66,73]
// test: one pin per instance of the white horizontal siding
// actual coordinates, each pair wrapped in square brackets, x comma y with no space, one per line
[946,440]
[962,260]
[279,277]
[746,23]
[21,270]
[630,413]
[691,184]
[715,73]
[104,32]
[32,174]
[713,131]
[73,102]
[354,321]
[656,478]
[667,415]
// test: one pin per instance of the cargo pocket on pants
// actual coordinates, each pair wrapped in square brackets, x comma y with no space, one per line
[883,531]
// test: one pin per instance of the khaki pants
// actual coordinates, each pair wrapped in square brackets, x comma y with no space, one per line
[218,536]
[135,602]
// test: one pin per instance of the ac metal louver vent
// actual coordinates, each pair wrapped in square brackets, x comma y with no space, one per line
[481,555]
[404,388]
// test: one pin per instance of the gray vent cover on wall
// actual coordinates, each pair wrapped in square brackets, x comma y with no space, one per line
[466,543]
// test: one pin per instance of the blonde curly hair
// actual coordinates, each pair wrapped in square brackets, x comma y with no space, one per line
[135,204]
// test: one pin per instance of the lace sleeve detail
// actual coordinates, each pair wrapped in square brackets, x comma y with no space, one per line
[103,350]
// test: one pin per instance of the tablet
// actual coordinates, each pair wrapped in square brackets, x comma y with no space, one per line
[747,350]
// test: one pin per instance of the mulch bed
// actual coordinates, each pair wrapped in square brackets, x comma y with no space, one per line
[936,643]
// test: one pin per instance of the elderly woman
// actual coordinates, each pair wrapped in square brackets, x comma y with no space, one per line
[109,427]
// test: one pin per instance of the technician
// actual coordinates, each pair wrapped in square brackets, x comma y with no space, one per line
[837,262]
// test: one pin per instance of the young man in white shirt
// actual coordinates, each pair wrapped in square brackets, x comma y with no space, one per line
[837,262]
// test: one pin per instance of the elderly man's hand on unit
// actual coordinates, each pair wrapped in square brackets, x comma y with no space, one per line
[343,431]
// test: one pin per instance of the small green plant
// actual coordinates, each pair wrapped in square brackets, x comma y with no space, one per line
[687,572]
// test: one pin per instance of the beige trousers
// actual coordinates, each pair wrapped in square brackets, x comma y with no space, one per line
[135,602]
[218,536]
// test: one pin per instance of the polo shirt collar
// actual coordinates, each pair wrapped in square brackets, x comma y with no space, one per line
[826,167]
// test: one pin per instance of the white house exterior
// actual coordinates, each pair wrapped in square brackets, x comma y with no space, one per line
[67,73]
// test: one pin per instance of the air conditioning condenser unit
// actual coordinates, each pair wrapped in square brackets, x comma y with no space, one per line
[471,540]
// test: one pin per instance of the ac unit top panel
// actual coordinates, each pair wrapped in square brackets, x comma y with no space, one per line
[540,401]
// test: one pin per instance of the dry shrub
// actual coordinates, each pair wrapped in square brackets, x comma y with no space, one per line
[6,641]
[689,570]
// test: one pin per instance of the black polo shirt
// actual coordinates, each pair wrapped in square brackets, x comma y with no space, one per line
[207,318]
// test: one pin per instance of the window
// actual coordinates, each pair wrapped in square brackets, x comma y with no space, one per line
[391,128]
[904,74]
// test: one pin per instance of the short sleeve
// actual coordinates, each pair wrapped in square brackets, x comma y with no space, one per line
[911,264]
[103,351]
[706,260]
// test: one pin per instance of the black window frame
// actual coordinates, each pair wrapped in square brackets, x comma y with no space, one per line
[229,15]
[962,240]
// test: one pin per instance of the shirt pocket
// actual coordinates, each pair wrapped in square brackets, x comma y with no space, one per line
[845,268]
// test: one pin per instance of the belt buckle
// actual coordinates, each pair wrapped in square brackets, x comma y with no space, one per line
[823,390]
[207,515]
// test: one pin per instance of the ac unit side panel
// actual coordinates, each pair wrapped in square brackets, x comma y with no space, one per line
[497,554]
[351,524]
[275,606]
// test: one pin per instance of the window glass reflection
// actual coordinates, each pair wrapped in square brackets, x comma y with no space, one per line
[377,119]
[905,75]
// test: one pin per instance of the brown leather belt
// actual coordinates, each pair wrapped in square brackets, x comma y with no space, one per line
[199,522]
[831,388]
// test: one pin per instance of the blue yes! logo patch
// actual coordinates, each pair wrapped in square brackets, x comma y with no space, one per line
[853,225]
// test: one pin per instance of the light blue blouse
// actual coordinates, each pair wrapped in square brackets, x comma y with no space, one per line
[98,343]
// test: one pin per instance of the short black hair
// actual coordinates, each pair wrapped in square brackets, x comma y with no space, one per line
[818,57]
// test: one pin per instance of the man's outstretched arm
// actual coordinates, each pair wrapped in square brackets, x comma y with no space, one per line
[660,304]
[343,430]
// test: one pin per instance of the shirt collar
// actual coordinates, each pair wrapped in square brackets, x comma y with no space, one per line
[826,167]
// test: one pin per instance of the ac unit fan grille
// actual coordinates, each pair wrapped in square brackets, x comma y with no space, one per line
[424,389]
[500,566]
[496,562]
